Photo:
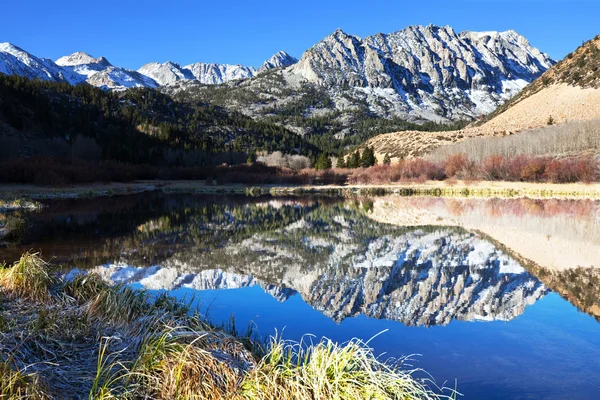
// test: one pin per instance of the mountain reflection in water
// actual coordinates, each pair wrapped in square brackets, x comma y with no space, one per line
[419,277]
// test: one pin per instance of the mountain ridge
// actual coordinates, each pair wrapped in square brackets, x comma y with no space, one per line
[344,89]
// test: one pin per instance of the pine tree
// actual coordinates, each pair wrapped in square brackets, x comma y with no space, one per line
[323,162]
[341,162]
[387,160]
[368,157]
[354,160]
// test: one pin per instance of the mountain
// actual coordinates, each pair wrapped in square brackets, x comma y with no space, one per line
[430,70]
[101,73]
[279,60]
[346,89]
[16,61]
[214,74]
[41,119]
[166,73]
[568,92]
[343,90]
[209,73]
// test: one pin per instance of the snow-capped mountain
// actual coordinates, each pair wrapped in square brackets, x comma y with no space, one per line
[214,74]
[82,67]
[418,73]
[83,64]
[166,73]
[210,73]
[101,73]
[279,60]
[427,70]
[16,61]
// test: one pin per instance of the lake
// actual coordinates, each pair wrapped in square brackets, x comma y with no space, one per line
[498,298]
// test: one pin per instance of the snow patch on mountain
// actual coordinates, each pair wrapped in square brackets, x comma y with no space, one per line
[16,61]
[432,69]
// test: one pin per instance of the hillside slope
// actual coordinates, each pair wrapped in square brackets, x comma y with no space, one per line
[568,91]
[48,119]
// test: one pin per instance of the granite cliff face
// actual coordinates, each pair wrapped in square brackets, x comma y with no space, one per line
[429,70]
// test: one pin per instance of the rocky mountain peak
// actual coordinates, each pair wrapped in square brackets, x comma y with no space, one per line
[279,60]
[432,70]
[214,74]
[166,73]
[81,58]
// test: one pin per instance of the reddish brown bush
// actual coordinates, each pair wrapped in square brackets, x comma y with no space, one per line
[494,168]
[458,166]
[45,171]
[571,170]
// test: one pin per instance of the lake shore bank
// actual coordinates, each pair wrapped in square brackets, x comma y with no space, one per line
[484,189]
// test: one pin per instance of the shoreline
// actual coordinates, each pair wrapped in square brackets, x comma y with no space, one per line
[89,339]
[484,189]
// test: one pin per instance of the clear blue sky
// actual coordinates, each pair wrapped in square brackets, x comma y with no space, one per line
[131,34]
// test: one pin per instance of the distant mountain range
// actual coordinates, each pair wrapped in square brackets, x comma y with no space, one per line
[81,67]
[428,73]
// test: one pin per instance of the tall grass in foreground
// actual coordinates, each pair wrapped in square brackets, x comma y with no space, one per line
[15,384]
[327,370]
[28,278]
[86,338]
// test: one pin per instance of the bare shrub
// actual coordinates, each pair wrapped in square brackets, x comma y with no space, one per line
[278,159]
[556,140]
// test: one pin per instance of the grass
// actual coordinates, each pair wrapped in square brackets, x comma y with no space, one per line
[327,370]
[29,278]
[18,204]
[15,384]
[85,338]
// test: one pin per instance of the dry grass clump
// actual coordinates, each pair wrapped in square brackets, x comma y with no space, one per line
[28,278]
[118,304]
[85,338]
[181,362]
[15,384]
[327,370]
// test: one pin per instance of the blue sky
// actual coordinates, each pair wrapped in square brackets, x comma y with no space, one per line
[132,33]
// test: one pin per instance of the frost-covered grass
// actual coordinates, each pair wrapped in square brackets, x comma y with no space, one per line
[85,338]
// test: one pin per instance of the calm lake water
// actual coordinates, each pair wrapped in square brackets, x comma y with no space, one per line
[500,298]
